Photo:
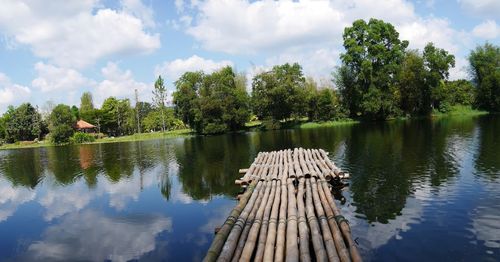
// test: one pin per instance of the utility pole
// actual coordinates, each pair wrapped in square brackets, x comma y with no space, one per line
[137,112]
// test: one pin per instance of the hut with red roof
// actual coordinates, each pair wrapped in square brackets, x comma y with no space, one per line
[84,127]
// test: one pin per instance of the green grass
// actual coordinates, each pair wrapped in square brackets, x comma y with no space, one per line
[460,110]
[145,136]
[328,123]
[130,138]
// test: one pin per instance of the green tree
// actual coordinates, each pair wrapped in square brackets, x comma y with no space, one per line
[153,121]
[438,63]
[186,97]
[61,122]
[75,112]
[87,107]
[22,123]
[117,117]
[485,70]
[328,105]
[277,94]
[212,103]
[159,96]
[373,56]
[415,93]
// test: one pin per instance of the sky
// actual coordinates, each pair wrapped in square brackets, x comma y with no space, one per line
[56,50]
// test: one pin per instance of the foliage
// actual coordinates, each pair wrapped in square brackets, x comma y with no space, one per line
[80,137]
[211,103]
[369,68]
[153,121]
[159,96]
[278,94]
[22,123]
[116,117]
[485,70]
[61,122]
[87,112]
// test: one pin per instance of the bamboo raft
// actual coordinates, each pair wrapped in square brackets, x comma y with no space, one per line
[287,212]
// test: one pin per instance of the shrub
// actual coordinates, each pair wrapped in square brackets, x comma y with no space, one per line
[79,138]
[60,134]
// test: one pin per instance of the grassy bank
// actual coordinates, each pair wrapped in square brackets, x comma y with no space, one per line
[328,123]
[129,138]
[459,110]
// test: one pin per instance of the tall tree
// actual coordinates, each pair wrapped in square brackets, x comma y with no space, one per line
[87,107]
[159,96]
[23,123]
[437,63]
[186,98]
[373,55]
[415,93]
[61,122]
[276,93]
[485,70]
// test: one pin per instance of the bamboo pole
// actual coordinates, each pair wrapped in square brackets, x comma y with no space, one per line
[296,163]
[292,254]
[343,225]
[335,231]
[325,228]
[273,224]
[305,255]
[342,250]
[250,242]
[317,240]
[280,238]
[259,254]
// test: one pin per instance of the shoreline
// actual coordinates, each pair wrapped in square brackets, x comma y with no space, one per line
[456,112]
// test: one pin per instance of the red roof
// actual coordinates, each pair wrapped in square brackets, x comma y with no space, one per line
[83,125]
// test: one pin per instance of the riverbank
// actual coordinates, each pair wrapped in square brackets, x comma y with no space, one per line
[455,111]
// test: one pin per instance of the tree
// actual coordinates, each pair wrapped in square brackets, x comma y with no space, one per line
[212,103]
[485,70]
[75,112]
[186,97]
[438,63]
[327,104]
[61,122]
[22,123]
[117,117]
[159,96]
[373,55]
[276,94]
[415,94]
[154,122]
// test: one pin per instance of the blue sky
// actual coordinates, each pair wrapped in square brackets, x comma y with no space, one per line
[55,50]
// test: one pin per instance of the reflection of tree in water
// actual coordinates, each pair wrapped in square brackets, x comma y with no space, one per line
[209,165]
[63,163]
[386,158]
[23,167]
[488,156]
[117,161]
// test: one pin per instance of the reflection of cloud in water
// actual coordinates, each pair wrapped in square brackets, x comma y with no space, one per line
[486,221]
[11,197]
[216,218]
[126,189]
[379,234]
[59,201]
[94,236]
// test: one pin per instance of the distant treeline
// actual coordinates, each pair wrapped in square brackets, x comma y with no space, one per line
[379,78]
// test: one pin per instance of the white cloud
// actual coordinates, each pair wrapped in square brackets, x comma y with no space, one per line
[52,78]
[483,8]
[10,93]
[263,25]
[487,30]
[59,201]
[138,9]
[11,197]
[77,33]
[119,83]
[174,69]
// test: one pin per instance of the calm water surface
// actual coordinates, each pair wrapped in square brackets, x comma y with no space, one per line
[420,190]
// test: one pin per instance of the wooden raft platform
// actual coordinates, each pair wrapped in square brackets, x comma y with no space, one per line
[286,213]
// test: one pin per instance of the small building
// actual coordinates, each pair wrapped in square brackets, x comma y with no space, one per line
[85,127]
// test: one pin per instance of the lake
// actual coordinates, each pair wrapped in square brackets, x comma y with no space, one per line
[419,190]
